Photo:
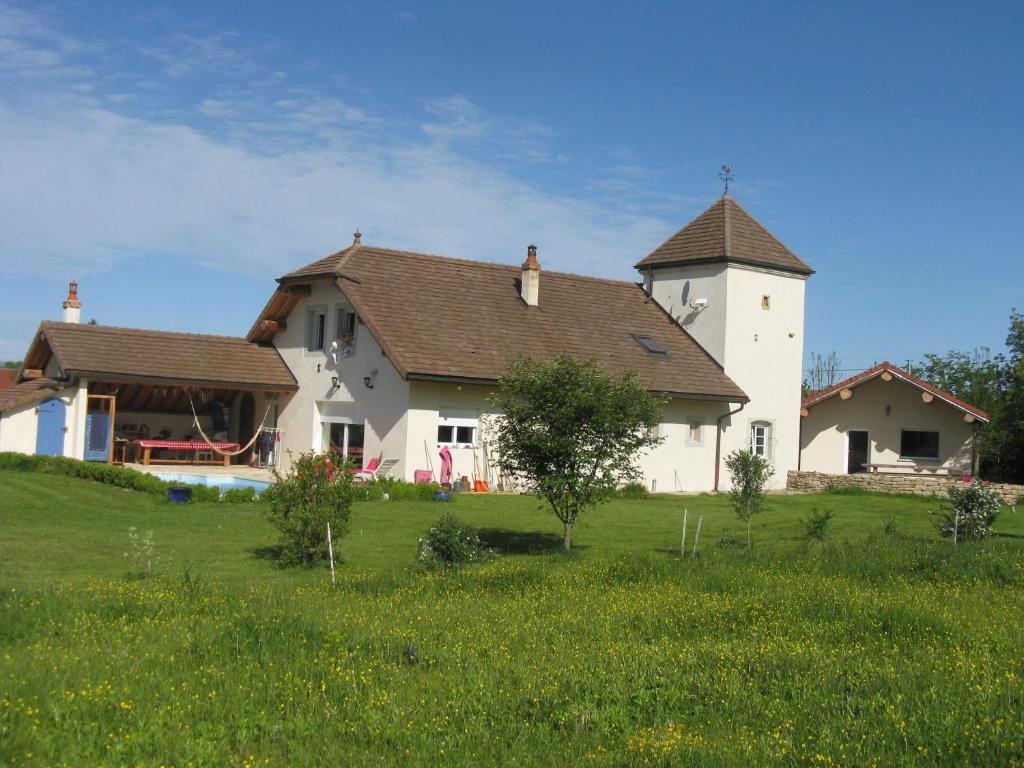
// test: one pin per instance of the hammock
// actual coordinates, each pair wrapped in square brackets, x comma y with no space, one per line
[214,448]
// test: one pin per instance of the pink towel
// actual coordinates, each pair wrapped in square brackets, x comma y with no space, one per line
[446,465]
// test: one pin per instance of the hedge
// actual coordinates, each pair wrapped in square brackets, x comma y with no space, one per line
[122,477]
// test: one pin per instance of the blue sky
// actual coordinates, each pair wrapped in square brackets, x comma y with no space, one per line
[176,158]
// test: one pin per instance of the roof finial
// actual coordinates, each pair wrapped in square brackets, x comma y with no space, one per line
[356,237]
[726,176]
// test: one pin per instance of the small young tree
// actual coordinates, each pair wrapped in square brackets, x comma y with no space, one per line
[571,432]
[316,490]
[975,508]
[750,473]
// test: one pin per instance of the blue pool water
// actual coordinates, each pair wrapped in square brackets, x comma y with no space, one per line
[223,482]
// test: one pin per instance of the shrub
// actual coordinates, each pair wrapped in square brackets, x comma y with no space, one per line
[815,523]
[749,473]
[633,491]
[316,491]
[451,542]
[975,508]
[397,490]
[248,493]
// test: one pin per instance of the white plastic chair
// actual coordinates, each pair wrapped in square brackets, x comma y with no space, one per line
[372,475]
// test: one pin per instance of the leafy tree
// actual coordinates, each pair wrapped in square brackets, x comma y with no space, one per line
[315,491]
[994,383]
[1006,433]
[977,377]
[823,372]
[12,363]
[571,431]
[749,473]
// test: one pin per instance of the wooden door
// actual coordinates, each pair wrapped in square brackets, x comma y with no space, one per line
[50,427]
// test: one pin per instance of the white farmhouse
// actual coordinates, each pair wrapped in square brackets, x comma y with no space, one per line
[374,352]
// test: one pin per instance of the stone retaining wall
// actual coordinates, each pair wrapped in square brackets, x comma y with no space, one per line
[917,485]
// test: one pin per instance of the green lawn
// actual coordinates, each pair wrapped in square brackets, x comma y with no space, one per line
[869,648]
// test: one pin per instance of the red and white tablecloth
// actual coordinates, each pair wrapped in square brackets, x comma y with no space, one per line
[186,445]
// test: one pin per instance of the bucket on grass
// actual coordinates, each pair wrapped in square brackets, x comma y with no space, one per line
[179,494]
[442,496]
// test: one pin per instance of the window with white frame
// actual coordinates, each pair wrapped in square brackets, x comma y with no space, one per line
[761,439]
[316,326]
[457,430]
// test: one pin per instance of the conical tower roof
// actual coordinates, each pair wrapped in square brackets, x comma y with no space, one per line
[725,232]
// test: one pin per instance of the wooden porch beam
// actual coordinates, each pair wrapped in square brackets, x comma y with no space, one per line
[927,396]
[886,376]
[846,393]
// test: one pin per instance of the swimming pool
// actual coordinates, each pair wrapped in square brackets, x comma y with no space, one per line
[223,482]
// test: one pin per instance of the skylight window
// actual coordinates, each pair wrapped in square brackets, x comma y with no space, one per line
[651,344]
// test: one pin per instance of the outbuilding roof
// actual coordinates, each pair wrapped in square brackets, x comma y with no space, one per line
[725,232]
[27,392]
[455,319]
[160,357]
[881,370]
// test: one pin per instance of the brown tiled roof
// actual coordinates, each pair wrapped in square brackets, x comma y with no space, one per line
[130,354]
[899,373]
[7,376]
[27,392]
[727,233]
[458,319]
[325,266]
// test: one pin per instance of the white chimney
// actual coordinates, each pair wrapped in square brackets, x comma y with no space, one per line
[530,288]
[72,306]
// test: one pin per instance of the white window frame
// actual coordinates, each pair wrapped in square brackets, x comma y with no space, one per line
[455,422]
[767,428]
[313,312]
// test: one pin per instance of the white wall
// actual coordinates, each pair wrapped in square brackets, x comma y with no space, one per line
[760,349]
[383,408]
[677,464]
[701,281]
[824,429]
[74,438]
[18,429]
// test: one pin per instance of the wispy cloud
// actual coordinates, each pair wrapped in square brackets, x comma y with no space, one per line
[189,54]
[257,180]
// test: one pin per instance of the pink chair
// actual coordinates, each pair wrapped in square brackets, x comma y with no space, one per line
[374,463]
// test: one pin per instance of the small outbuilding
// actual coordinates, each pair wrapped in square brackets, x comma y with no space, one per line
[885,419]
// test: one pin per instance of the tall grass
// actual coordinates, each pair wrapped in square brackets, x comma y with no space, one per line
[887,652]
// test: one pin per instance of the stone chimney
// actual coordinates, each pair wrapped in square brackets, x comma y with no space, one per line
[530,288]
[72,306]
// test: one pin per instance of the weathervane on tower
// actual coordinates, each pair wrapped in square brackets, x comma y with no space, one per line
[726,176]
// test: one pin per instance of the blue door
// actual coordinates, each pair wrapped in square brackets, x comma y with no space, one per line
[97,437]
[50,427]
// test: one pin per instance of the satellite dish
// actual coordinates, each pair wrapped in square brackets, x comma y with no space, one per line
[686,292]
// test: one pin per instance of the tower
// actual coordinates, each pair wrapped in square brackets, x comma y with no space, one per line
[740,293]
